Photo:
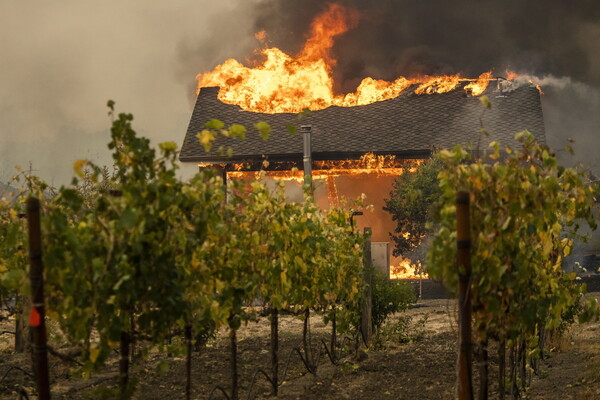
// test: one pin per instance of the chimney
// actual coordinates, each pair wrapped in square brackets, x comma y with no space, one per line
[307,159]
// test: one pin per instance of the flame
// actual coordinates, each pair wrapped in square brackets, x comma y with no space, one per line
[478,86]
[369,163]
[283,83]
[406,270]
[510,75]
[334,21]
[261,36]
[519,79]
[537,86]
[371,90]
[439,84]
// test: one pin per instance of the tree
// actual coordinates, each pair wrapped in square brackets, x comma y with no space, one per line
[410,204]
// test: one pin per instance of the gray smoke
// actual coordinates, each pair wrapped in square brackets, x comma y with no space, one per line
[556,43]
[62,61]
[408,37]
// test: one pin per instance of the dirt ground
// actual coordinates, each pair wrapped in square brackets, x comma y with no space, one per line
[413,359]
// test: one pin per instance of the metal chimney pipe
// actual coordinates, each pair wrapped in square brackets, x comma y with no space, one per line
[307,159]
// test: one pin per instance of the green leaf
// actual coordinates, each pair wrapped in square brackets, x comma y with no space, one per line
[505,224]
[78,167]
[129,218]
[305,113]
[569,149]
[162,367]
[168,146]
[264,129]
[214,124]
[206,138]
[121,281]
[237,131]
[94,353]
[485,101]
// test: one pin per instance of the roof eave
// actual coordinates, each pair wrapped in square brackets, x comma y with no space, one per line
[295,157]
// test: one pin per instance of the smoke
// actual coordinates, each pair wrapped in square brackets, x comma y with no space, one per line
[62,61]
[554,43]
[407,37]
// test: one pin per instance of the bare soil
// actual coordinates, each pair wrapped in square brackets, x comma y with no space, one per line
[416,362]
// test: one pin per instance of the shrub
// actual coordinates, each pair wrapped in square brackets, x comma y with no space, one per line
[389,297]
[402,330]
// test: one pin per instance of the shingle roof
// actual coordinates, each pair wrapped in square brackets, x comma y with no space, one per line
[409,126]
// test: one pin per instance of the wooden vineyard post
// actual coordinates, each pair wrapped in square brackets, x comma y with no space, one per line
[333,343]
[307,342]
[465,348]
[275,349]
[125,339]
[501,368]
[188,361]
[20,325]
[21,304]
[37,317]
[124,342]
[366,316]
[234,364]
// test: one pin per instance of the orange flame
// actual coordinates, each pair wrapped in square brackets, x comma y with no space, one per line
[510,75]
[406,270]
[291,84]
[477,87]
[438,84]
[370,164]
[334,21]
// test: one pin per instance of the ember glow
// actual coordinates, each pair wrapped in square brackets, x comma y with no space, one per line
[283,83]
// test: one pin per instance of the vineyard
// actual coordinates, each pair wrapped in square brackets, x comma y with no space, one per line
[146,274]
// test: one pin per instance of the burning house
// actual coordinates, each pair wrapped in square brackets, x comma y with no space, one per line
[362,149]
[361,141]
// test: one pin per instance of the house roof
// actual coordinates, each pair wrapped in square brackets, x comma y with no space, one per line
[408,126]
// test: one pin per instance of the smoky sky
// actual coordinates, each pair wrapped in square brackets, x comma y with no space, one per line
[554,42]
[61,61]
[413,37]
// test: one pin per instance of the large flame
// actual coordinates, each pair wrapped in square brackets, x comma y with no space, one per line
[283,83]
